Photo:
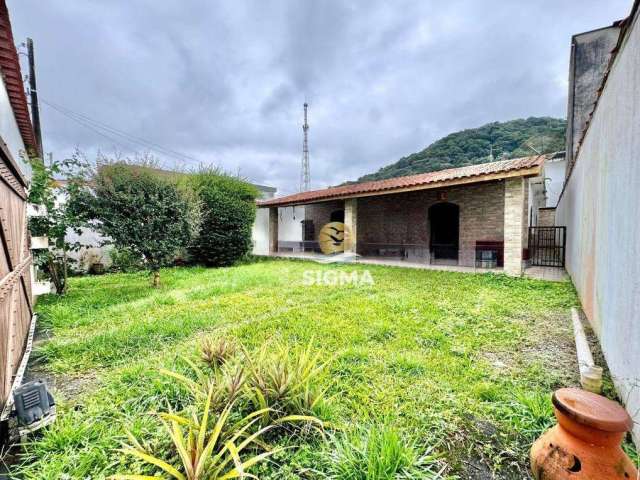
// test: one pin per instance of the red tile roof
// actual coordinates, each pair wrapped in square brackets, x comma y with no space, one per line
[471,174]
[10,69]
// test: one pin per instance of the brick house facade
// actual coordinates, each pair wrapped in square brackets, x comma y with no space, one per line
[452,215]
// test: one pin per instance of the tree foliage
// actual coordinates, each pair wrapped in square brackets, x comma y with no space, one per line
[52,185]
[228,213]
[473,146]
[142,213]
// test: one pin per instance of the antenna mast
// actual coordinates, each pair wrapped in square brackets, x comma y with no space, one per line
[305,177]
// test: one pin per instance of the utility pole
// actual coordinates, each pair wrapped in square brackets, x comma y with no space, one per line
[305,177]
[35,108]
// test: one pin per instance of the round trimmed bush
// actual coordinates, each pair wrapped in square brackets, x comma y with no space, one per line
[228,212]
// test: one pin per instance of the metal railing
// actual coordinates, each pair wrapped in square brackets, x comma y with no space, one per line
[547,246]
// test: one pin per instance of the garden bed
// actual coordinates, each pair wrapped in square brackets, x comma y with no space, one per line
[459,366]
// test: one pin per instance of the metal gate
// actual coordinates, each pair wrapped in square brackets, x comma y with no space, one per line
[547,246]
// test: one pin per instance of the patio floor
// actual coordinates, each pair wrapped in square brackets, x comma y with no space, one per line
[552,274]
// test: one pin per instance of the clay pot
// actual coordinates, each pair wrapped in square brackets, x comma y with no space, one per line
[586,442]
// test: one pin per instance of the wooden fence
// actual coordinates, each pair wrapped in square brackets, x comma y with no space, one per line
[15,272]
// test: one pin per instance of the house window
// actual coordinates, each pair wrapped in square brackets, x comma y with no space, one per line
[337,216]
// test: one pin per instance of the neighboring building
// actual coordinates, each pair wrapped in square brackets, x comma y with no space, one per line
[17,140]
[470,216]
[587,65]
[600,201]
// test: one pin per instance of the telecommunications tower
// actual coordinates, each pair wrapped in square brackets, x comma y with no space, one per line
[305,177]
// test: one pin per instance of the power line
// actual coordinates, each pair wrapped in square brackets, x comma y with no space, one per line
[94,125]
[84,120]
[95,130]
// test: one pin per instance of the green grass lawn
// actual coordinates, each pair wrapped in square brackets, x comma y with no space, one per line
[460,365]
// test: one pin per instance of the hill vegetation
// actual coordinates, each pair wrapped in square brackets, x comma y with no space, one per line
[475,145]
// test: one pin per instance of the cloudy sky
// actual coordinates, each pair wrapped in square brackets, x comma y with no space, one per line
[224,82]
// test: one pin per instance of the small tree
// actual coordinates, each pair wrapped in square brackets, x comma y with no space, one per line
[228,213]
[141,212]
[53,185]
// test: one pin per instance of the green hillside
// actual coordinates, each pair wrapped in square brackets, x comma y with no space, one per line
[472,146]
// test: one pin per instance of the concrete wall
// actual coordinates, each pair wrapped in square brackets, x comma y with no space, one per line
[10,133]
[403,218]
[600,209]
[589,57]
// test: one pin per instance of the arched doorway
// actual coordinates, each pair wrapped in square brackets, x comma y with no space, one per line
[444,222]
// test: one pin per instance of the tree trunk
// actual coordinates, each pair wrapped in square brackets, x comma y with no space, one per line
[53,273]
[65,270]
[156,279]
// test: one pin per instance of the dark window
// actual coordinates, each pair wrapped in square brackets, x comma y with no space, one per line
[337,216]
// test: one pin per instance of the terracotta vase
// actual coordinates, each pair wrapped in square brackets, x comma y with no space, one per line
[586,442]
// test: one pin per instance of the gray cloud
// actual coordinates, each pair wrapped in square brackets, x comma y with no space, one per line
[224,82]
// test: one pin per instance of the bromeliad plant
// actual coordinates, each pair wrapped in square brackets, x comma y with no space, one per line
[286,382]
[217,352]
[208,447]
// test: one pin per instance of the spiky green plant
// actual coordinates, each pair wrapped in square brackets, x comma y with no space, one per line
[286,381]
[216,352]
[207,447]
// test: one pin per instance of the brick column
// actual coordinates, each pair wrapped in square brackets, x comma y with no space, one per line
[514,224]
[273,230]
[351,225]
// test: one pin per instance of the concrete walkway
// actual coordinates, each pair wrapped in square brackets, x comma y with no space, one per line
[552,274]
[391,263]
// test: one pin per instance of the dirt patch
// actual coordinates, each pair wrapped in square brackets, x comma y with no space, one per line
[477,463]
[549,342]
[66,386]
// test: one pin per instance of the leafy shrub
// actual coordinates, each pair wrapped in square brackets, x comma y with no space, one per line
[228,213]
[377,452]
[124,260]
[148,215]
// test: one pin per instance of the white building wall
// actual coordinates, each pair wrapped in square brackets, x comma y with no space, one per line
[290,223]
[10,133]
[554,172]
[600,207]
[289,227]
[536,199]
[260,232]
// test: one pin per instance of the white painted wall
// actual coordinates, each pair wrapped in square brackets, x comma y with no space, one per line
[92,250]
[289,227]
[554,172]
[536,199]
[601,209]
[10,133]
[290,223]
[260,232]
